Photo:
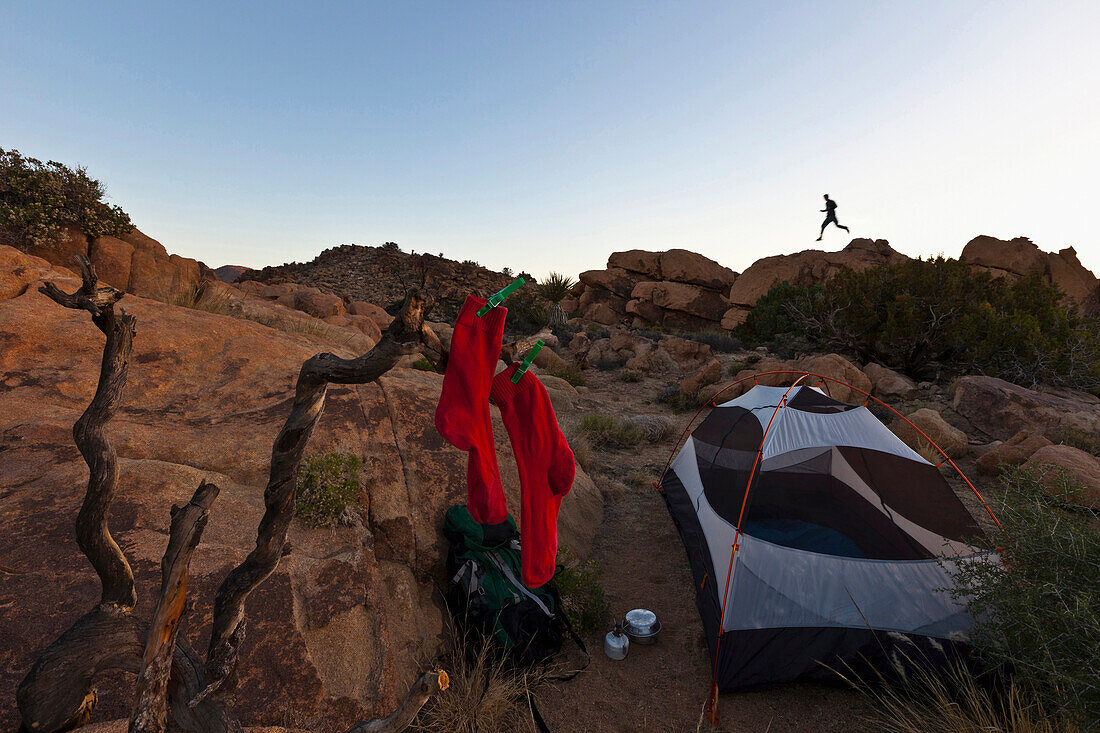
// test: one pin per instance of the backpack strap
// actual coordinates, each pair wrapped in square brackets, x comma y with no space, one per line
[507,572]
[580,643]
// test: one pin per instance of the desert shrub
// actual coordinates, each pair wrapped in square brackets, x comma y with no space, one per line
[582,592]
[607,431]
[582,452]
[680,401]
[556,287]
[569,374]
[527,312]
[736,367]
[1038,612]
[721,341]
[37,199]
[423,365]
[654,428]
[631,375]
[506,271]
[935,318]
[610,363]
[393,247]
[328,485]
[1082,439]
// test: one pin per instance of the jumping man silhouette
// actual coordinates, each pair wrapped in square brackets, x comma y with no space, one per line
[830,216]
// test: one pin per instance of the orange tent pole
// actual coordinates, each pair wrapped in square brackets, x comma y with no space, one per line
[712,702]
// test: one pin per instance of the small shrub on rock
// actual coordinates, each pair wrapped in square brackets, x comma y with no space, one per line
[37,199]
[720,341]
[631,375]
[328,486]
[423,365]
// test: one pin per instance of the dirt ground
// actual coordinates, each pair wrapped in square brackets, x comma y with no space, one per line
[663,687]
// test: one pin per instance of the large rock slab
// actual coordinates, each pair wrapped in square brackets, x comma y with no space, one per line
[1082,466]
[950,439]
[690,299]
[613,279]
[1011,452]
[692,268]
[888,384]
[638,260]
[1002,409]
[809,267]
[338,630]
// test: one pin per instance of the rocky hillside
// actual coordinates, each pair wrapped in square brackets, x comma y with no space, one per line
[382,275]
[341,627]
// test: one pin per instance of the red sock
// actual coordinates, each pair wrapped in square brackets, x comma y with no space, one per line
[462,416]
[546,468]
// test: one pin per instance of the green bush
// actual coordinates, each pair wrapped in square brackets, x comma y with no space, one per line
[582,593]
[937,318]
[1039,611]
[37,199]
[607,431]
[569,374]
[556,287]
[423,365]
[328,484]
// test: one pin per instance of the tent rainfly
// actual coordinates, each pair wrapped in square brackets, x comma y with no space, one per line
[816,537]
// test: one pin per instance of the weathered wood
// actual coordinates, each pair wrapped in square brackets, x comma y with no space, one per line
[422,690]
[150,713]
[399,339]
[57,691]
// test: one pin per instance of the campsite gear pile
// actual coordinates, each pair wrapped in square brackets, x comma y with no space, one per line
[817,539]
[501,586]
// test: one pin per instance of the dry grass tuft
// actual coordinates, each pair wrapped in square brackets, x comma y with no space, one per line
[201,297]
[487,694]
[655,428]
[953,702]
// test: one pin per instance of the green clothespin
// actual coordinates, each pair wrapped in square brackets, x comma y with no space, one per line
[527,361]
[495,300]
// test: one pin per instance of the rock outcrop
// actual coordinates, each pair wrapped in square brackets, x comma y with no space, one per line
[846,382]
[888,384]
[339,629]
[809,267]
[1020,256]
[1002,409]
[950,439]
[1011,452]
[1079,466]
[674,289]
[133,262]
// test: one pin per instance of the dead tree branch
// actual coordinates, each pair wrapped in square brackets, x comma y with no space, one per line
[425,686]
[400,338]
[57,691]
[150,713]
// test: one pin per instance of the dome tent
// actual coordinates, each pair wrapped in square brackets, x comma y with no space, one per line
[817,538]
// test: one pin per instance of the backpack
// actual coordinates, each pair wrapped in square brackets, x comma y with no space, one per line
[486,593]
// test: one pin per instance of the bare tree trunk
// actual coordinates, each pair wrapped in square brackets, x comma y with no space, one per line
[57,691]
[150,713]
[399,339]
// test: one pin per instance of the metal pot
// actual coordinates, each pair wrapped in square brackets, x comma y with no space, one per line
[642,626]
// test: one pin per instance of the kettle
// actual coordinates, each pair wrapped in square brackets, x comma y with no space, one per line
[616,644]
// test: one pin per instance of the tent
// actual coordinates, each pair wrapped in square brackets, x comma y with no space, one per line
[816,537]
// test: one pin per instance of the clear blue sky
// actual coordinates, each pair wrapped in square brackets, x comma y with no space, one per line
[545,135]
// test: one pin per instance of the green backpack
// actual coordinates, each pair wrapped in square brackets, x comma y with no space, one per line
[486,593]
